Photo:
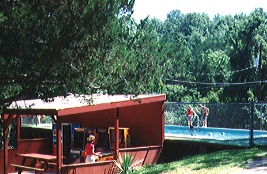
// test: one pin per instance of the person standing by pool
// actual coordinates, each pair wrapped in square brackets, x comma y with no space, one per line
[204,111]
[201,112]
[190,113]
[205,119]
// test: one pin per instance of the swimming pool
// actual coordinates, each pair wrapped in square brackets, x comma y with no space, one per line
[238,137]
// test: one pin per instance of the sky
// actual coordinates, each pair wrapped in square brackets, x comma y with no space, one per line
[160,8]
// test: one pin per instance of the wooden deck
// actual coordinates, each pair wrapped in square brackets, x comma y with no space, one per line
[31,172]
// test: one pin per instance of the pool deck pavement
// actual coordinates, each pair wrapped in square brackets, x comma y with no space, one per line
[257,166]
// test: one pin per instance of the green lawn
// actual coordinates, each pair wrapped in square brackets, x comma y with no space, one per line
[222,162]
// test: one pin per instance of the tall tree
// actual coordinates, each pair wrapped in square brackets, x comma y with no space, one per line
[243,40]
[50,47]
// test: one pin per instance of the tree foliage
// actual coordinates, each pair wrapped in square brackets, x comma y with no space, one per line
[215,57]
[51,48]
[56,47]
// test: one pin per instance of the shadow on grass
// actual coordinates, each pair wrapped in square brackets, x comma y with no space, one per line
[234,158]
[156,169]
[226,158]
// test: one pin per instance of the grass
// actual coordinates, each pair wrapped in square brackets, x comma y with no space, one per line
[222,162]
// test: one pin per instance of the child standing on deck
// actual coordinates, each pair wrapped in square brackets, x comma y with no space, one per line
[190,113]
[204,114]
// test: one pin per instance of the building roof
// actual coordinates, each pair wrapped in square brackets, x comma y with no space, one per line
[90,102]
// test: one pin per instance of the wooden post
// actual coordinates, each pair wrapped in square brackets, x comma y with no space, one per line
[4,140]
[59,146]
[5,137]
[5,133]
[162,123]
[117,132]
[18,129]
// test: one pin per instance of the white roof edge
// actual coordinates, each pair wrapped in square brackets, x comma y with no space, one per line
[73,101]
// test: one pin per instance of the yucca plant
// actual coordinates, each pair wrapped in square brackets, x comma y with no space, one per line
[126,165]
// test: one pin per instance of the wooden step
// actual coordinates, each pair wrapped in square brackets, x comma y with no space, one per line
[21,167]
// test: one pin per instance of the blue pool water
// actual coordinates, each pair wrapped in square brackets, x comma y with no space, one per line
[216,135]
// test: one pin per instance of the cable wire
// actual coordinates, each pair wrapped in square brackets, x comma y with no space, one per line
[221,73]
[217,83]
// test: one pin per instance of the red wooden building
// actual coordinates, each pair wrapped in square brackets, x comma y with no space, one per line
[143,116]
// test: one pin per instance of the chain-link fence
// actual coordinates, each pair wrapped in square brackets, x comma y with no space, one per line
[231,125]
[221,115]
[251,118]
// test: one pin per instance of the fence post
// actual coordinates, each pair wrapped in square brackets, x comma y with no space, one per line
[180,114]
[261,117]
[251,140]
